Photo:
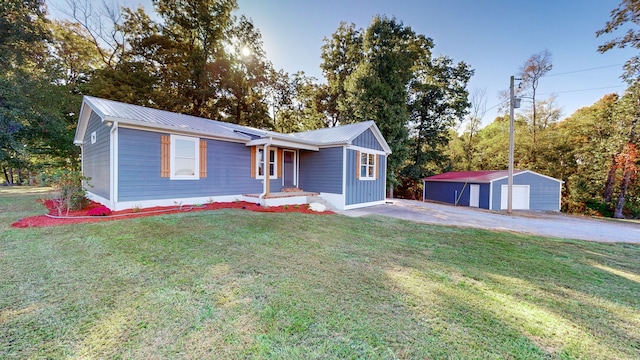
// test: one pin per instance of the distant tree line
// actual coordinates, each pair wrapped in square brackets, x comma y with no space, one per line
[201,58]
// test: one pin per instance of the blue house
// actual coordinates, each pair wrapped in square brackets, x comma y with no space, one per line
[489,189]
[142,157]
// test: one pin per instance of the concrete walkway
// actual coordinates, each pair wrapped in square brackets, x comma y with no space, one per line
[537,223]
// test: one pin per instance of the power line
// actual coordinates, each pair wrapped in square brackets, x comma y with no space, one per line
[583,70]
[580,90]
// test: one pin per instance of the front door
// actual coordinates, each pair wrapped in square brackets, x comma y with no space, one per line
[289,168]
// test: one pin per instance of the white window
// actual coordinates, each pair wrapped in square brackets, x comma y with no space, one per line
[271,163]
[93,137]
[185,159]
[367,166]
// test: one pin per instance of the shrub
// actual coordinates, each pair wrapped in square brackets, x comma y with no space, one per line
[99,211]
[69,186]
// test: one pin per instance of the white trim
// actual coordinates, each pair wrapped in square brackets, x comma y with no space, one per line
[292,200]
[142,125]
[344,178]
[99,199]
[491,196]
[170,130]
[282,143]
[560,198]
[113,164]
[367,150]
[361,205]
[367,177]
[336,200]
[295,166]
[266,167]
[520,172]
[168,202]
[172,158]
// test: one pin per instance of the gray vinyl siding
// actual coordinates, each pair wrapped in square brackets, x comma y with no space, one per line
[367,140]
[95,157]
[364,191]
[544,193]
[228,170]
[321,171]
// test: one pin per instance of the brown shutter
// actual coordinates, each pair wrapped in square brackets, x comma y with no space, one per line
[376,165]
[253,161]
[203,158]
[357,164]
[279,163]
[165,154]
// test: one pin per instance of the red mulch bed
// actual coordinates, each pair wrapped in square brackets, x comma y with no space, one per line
[80,216]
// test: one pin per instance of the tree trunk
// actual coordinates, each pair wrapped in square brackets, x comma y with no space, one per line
[626,180]
[19,176]
[10,181]
[629,168]
[611,179]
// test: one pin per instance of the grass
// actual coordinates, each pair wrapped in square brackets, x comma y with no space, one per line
[236,284]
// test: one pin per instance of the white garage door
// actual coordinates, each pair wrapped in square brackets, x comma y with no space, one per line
[520,197]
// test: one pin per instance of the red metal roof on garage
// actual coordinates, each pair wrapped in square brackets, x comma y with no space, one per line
[484,176]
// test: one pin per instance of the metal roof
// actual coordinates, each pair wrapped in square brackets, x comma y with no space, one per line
[140,115]
[338,134]
[136,115]
[483,176]
[343,134]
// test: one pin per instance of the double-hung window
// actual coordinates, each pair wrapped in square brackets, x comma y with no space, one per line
[271,163]
[367,169]
[185,158]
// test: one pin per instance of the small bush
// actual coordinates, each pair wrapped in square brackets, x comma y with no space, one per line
[69,186]
[99,211]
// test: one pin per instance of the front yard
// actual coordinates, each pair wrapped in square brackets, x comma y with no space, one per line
[239,284]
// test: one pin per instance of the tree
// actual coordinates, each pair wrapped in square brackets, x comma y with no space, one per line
[438,101]
[341,54]
[533,69]
[628,11]
[34,107]
[377,89]
[478,101]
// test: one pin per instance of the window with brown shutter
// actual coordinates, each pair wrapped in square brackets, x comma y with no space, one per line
[203,158]
[279,162]
[253,161]
[165,156]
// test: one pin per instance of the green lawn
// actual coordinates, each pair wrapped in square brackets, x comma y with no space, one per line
[238,284]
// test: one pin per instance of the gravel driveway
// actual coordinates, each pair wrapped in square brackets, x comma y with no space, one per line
[538,223]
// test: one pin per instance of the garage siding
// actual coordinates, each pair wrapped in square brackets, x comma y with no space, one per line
[544,193]
[445,192]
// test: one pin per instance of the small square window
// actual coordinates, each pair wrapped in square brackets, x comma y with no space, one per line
[367,166]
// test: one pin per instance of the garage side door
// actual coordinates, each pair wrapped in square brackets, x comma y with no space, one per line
[520,197]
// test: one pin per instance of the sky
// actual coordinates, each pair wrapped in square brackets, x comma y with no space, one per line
[495,37]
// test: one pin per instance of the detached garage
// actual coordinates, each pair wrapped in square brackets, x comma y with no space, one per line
[489,190]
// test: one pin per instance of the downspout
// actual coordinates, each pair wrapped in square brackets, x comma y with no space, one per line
[265,171]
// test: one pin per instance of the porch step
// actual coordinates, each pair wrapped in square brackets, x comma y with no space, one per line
[291,189]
